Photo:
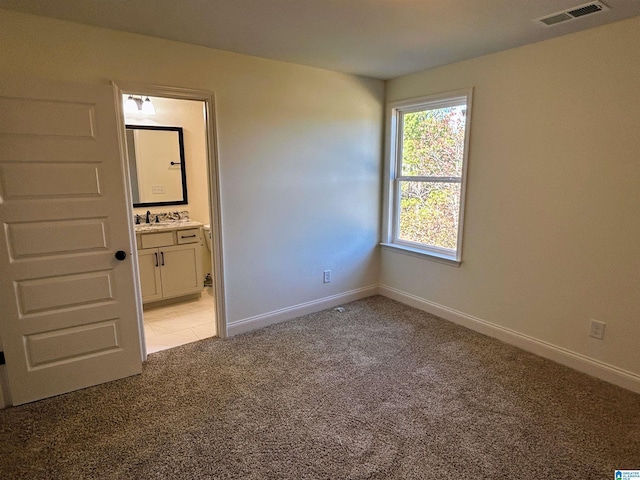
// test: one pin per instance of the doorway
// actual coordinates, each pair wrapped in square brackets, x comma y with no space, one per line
[169,317]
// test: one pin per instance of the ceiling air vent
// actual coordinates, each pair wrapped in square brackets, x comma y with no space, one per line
[573,13]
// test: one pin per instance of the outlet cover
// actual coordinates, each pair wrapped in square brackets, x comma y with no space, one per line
[326,276]
[597,329]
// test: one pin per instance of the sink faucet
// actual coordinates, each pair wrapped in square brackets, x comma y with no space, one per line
[148,214]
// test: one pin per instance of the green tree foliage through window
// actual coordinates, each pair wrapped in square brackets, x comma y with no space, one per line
[430,175]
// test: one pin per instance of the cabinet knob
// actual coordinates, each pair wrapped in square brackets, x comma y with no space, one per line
[121,255]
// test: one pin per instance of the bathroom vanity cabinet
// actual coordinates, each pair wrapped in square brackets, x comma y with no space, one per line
[170,263]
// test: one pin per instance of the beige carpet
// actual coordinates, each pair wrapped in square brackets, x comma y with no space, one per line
[380,391]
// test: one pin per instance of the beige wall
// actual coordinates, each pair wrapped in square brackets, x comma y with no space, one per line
[552,233]
[299,150]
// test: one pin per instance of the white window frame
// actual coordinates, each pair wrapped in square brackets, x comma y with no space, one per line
[390,223]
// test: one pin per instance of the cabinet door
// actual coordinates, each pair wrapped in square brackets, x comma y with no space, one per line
[181,270]
[149,266]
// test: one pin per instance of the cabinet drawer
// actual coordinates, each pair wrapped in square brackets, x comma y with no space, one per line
[191,235]
[152,240]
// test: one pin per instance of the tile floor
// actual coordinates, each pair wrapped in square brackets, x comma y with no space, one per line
[180,323]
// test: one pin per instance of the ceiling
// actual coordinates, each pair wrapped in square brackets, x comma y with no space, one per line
[374,38]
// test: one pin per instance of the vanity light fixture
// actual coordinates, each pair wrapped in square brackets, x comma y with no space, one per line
[147,107]
[136,105]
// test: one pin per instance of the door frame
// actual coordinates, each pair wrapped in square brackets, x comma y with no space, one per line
[213,170]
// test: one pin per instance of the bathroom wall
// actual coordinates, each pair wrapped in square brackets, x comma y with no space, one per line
[551,221]
[299,148]
[189,115]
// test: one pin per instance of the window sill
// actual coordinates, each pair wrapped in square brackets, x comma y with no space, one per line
[415,252]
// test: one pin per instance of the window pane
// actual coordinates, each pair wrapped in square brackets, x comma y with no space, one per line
[429,213]
[433,142]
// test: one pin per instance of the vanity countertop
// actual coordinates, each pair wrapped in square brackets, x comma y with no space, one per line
[166,226]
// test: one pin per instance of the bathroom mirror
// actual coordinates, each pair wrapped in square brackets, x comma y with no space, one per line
[156,165]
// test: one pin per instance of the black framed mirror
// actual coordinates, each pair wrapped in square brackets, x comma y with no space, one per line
[156,165]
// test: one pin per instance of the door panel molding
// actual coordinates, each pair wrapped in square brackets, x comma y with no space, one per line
[49,349]
[57,237]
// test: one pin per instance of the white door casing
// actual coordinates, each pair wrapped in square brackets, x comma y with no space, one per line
[69,318]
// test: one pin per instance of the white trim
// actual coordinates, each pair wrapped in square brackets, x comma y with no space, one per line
[213,167]
[576,361]
[421,253]
[260,321]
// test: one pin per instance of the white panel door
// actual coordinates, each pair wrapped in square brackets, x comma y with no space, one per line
[68,318]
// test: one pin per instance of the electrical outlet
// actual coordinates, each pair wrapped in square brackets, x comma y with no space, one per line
[597,329]
[326,278]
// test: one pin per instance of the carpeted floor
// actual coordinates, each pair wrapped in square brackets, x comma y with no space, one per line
[379,391]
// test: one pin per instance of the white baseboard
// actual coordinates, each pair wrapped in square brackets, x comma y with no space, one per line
[284,314]
[582,363]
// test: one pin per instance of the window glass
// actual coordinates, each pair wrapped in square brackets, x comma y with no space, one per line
[429,213]
[433,142]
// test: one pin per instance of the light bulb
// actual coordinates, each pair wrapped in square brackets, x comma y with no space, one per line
[130,105]
[147,107]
